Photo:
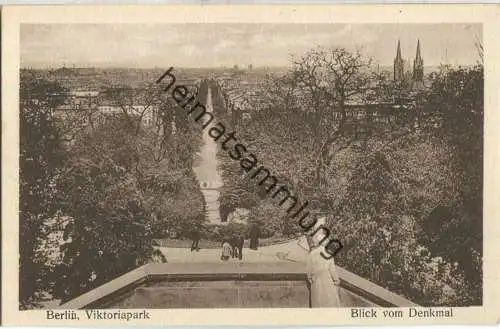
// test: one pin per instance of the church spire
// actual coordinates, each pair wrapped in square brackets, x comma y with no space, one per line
[418,68]
[398,65]
[398,53]
[418,57]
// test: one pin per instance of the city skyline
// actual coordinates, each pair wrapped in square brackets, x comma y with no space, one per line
[225,45]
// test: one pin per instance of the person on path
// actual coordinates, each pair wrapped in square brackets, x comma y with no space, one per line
[195,236]
[237,242]
[254,236]
[234,245]
[241,242]
[158,257]
[226,251]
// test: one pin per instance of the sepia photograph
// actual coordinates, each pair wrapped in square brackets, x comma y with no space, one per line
[241,165]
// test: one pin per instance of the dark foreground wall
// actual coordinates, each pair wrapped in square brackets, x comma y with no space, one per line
[217,294]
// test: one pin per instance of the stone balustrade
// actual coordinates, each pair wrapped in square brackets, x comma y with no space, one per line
[156,285]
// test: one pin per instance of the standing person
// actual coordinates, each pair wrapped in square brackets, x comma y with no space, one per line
[195,236]
[226,251]
[254,236]
[240,240]
[234,245]
[237,242]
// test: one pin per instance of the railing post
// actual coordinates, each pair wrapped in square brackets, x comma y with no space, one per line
[324,290]
[321,273]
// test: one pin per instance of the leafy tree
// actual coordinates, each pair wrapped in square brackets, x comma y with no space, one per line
[110,229]
[456,104]
[41,157]
[329,79]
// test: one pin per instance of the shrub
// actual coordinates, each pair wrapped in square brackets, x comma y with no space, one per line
[218,232]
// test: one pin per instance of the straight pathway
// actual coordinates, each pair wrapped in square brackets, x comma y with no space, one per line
[207,171]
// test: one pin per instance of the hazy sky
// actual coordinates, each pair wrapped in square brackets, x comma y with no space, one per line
[213,45]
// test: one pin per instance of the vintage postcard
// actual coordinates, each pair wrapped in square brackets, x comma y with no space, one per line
[250,165]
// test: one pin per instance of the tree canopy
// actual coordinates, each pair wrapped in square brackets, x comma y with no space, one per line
[400,183]
[89,206]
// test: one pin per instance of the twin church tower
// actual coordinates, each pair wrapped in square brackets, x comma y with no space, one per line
[417,80]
